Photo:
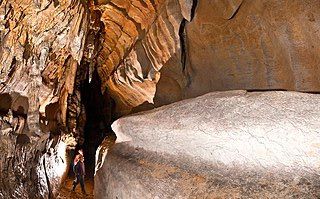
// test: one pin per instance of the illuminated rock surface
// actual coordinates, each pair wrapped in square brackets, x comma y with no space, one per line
[41,45]
[263,44]
[80,64]
[228,144]
[139,38]
[222,45]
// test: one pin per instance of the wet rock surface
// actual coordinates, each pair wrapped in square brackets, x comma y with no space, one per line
[225,144]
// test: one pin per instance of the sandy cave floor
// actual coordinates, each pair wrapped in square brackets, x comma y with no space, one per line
[66,193]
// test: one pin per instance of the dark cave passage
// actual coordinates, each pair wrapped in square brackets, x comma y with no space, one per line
[96,127]
[98,108]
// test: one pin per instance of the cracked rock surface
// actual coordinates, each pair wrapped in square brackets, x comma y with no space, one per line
[224,144]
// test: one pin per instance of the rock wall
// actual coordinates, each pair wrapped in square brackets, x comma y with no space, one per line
[139,38]
[183,49]
[254,45]
[221,145]
[41,47]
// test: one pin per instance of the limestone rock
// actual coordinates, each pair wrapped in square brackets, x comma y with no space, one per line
[140,37]
[41,45]
[183,49]
[267,44]
[145,54]
[225,144]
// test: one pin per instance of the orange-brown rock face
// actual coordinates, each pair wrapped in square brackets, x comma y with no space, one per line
[158,51]
[140,37]
[229,44]
[146,53]
[254,45]
[41,46]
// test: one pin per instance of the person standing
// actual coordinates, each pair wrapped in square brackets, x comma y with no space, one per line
[77,158]
[79,171]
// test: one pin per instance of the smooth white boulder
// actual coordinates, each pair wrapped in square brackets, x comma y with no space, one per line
[223,144]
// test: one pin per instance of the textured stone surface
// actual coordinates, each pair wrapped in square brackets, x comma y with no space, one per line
[146,53]
[228,44]
[41,46]
[266,44]
[227,144]
[139,38]
[31,167]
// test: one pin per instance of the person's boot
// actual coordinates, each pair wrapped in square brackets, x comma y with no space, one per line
[73,186]
[84,192]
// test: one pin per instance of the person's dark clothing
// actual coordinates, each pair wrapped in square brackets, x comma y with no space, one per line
[79,168]
[80,173]
[79,179]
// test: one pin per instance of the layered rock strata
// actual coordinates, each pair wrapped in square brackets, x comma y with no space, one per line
[165,51]
[226,144]
[41,47]
[146,54]
[140,37]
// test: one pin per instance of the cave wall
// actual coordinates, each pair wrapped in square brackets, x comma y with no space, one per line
[151,53]
[41,46]
[254,45]
[210,46]
[139,38]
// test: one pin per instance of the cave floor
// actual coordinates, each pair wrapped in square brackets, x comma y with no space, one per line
[66,193]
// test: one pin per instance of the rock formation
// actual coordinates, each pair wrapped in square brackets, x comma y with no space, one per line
[220,45]
[42,44]
[220,145]
[68,68]
[140,37]
[253,45]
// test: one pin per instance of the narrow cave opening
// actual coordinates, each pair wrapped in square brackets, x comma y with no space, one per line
[93,127]
[98,108]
